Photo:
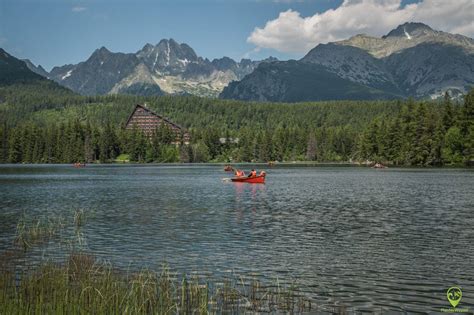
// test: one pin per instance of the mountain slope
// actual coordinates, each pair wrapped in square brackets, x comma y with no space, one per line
[430,69]
[294,81]
[98,74]
[411,60]
[18,82]
[406,36]
[167,67]
[36,69]
[15,72]
[353,64]
[139,82]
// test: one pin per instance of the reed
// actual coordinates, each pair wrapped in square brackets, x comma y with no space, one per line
[82,285]
[36,231]
[79,217]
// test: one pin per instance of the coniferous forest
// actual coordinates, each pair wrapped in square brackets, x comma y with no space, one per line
[48,124]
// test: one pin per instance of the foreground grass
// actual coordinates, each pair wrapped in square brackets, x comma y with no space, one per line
[81,284]
[84,286]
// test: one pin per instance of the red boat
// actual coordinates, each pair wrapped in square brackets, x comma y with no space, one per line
[260,179]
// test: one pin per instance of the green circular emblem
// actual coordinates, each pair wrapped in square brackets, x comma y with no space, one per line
[454,295]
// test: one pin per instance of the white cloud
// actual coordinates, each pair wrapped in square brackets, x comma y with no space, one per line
[292,33]
[78,9]
[249,53]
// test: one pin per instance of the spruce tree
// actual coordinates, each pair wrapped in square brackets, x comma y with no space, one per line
[311,147]
[448,112]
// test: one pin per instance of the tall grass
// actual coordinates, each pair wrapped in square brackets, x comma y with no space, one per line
[79,218]
[36,231]
[83,285]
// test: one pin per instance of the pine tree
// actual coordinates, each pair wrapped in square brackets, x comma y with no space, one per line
[264,146]
[421,147]
[467,127]
[211,140]
[311,147]
[394,142]
[200,152]
[15,154]
[453,146]
[4,143]
[448,112]
[109,147]
[467,113]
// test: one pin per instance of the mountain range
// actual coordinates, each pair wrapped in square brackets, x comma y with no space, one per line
[167,67]
[411,60]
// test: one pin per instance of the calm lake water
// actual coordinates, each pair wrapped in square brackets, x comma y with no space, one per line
[393,239]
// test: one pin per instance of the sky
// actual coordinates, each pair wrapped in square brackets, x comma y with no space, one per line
[57,32]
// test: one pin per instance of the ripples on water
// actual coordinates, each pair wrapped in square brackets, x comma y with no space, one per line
[370,239]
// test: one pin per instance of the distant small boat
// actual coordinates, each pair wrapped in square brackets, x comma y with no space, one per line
[260,179]
[378,165]
[228,168]
[79,164]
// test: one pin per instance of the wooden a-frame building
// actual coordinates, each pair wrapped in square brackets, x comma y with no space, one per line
[148,121]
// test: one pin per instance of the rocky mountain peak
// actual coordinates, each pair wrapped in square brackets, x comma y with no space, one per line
[100,54]
[168,66]
[270,59]
[147,47]
[406,36]
[174,49]
[103,50]
[411,60]
[245,62]
[36,69]
[168,56]
[224,63]
[409,30]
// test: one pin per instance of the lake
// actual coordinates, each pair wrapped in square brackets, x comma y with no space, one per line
[388,239]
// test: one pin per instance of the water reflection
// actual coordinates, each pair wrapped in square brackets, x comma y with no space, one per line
[393,240]
[248,197]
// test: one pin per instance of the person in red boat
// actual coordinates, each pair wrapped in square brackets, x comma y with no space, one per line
[253,173]
[239,173]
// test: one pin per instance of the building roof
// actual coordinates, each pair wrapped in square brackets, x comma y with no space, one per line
[153,113]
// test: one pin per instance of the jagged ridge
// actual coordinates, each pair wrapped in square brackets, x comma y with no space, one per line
[411,60]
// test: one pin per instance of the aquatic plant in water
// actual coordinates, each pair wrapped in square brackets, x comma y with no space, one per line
[84,285]
[35,231]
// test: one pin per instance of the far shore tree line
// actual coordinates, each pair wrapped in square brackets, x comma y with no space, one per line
[70,128]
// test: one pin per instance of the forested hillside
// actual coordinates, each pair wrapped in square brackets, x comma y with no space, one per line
[54,126]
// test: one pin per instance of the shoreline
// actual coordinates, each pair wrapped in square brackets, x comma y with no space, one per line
[260,164]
